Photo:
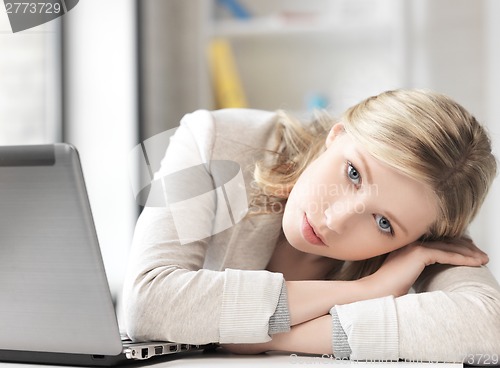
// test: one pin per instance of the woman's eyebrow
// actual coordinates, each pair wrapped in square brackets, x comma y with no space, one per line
[366,169]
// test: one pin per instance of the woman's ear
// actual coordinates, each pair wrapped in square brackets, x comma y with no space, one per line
[336,130]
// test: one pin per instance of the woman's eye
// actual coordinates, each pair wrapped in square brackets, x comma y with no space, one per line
[383,224]
[353,174]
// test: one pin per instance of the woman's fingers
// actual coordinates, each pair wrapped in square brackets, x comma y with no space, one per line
[451,257]
[454,253]
[403,266]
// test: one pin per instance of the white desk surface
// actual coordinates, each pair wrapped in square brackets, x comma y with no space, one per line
[282,360]
[269,360]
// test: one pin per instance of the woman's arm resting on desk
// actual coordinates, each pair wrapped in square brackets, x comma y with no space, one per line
[460,323]
[456,316]
[311,337]
[311,299]
[372,324]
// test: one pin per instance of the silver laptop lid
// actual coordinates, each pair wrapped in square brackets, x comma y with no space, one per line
[54,295]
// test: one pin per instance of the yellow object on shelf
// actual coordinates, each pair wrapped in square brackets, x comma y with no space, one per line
[226,80]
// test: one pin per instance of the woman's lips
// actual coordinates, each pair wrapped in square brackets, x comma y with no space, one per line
[309,234]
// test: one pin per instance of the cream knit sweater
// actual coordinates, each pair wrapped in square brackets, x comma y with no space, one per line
[185,286]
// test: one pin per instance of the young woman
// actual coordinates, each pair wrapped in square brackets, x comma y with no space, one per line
[352,243]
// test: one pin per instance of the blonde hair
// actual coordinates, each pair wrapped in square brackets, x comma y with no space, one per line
[422,134]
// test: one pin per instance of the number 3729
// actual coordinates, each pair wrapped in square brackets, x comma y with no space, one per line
[485,359]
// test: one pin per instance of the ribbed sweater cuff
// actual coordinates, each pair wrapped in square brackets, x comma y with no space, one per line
[340,345]
[372,328]
[280,320]
[249,300]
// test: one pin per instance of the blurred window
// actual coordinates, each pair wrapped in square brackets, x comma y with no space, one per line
[30,81]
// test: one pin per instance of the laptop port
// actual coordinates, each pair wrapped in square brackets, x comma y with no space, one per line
[144,353]
[158,350]
[172,348]
[184,347]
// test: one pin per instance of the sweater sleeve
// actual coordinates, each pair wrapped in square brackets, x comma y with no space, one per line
[168,294]
[453,317]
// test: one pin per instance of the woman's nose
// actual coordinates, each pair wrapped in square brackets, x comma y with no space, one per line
[341,213]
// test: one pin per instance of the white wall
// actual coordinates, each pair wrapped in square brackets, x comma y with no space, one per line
[101,118]
[30,99]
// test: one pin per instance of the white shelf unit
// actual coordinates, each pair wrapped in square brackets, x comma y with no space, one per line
[289,53]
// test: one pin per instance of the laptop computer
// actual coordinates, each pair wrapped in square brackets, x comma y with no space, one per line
[55,302]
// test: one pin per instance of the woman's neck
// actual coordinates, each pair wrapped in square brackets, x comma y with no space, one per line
[297,265]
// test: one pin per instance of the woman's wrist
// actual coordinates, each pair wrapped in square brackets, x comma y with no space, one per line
[311,337]
[312,299]
[370,288]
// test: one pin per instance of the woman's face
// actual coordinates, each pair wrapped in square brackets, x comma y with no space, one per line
[347,205]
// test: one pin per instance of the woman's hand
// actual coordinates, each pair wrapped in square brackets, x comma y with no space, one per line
[403,266]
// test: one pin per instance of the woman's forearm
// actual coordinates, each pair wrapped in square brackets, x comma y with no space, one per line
[311,337]
[312,299]
[308,300]
[309,305]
